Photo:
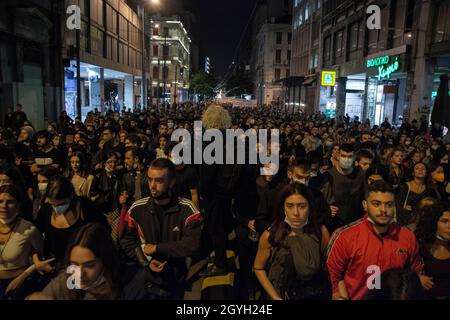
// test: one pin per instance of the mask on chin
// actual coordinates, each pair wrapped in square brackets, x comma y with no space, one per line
[10,220]
[293,226]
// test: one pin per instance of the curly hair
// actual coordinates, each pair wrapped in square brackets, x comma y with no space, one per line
[216,117]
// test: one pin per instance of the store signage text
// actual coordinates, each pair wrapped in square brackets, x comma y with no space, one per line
[328,78]
[386,66]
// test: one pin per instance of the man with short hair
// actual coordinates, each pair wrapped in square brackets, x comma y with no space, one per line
[134,181]
[373,243]
[162,231]
[364,159]
[347,183]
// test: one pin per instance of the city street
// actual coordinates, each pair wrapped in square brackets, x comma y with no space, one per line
[224,150]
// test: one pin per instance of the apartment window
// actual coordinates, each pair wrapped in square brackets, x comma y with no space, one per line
[279,37]
[314,59]
[307,12]
[155,51]
[288,56]
[327,48]
[277,74]
[288,73]
[339,43]
[278,56]
[155,72]
[356,36]
[318,4]
[289,37]
[441,30]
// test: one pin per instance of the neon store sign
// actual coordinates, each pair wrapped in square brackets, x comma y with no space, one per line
[386,66]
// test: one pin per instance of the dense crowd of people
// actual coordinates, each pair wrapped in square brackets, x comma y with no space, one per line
[98,209]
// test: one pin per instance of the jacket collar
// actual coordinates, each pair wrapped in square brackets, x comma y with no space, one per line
[173,208]
[393,229]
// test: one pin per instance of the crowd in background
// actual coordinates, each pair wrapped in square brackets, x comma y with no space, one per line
[104,195]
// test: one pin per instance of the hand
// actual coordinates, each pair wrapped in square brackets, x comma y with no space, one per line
[16,283]
[427,282]
[123,197]
[334,211]
[45,266]
[150,249]
[251,225]
[157,266]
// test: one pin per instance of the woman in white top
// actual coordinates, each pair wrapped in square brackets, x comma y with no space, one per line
[79,175]
[20,244]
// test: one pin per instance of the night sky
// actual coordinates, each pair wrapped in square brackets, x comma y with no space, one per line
[220,26]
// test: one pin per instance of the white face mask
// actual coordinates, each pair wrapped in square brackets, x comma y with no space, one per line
[62,208]
[346,163]
[439,237]
[298,227]
[97,283]
[8,221]
[42,187]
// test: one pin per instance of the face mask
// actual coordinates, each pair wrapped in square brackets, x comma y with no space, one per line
[290,224]
[50,129]
[439,177]
[170,125]
[441,238]
[141,118]
[302,181]
[346,163]
[42,187]
[329,144]
[116,118]
[62,208]
[9,220]
[97,283]
[434,148]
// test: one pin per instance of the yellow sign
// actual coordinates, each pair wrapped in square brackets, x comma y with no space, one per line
[328,78]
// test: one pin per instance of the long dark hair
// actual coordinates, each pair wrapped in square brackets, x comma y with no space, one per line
[97,239]
[280,229]
[84,170]
[427,227]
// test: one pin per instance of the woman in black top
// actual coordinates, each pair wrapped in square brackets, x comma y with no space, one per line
[62,216]
[433,234]
[410,193]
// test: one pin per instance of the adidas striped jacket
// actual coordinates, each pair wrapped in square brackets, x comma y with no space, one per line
[357,246]
[177,235]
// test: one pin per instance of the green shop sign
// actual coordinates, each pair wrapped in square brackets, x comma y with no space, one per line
[386,66]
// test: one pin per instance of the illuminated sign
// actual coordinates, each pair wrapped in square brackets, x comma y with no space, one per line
[328,78]
[434,94]
[386,66]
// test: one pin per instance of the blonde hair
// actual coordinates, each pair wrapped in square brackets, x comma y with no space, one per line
[216,117]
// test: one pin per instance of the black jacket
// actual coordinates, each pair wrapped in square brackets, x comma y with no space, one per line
[128,184]
[177,233]
[107,190]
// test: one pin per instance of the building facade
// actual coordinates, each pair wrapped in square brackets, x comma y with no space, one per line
[30,58]
[273,63]
[171,50]
[389,73]
[111,51]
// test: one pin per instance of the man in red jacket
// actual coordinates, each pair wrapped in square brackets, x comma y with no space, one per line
[359,252]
